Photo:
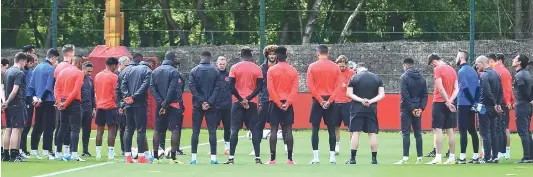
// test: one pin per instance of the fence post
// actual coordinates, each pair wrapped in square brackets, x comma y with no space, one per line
[262,30]
[472,31]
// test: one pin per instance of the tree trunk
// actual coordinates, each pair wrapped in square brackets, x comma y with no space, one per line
[311,22]
[349,21]
[127,36]
[39,39]
[17,14]
[207,23]
[242,23]
[519,23]
[530,12]
[300,20]
[173,27]
[285,34]
[497,3]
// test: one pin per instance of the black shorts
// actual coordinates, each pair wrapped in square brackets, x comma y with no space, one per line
[342,113]
[225,117]
[171,120]
[317,113]
[279,117]
[505,118]
[16,116]
[107,117]
[442,117]
[264,111]
[240,116]
[366,122]
[211,118]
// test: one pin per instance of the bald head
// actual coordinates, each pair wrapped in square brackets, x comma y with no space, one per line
[482,62]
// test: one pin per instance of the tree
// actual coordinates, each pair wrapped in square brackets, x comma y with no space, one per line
[349,21]
[519,34]
[311,21]
[173,27]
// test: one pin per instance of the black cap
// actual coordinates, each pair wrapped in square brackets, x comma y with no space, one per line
[170,55]
[433,57]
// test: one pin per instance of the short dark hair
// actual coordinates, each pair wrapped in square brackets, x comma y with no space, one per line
[432,57]
[281,53]
[491,56]
[52,53]
[246,52]
[465,53]
[68,48]
[150,61]
[322,49]
[27,48]
[169,55]
[524,61]
[5,62]
[206,54]
[30,58]
[88,64]
[111,61]
[137,57]
[409,61]
[21,56]
[500,57]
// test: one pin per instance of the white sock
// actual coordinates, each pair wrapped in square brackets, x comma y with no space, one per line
[462,156]
[315,155]
[213,157]
[74,155]
[286,148]
[452,156]
[66,149]
[226,145]
[110,152]
[419,158]
[33,152]
[475,156]
[405,158]
[337,146]
[231,157]
[508,150]
[141,154]
[332,156]
[500,155]
[438,156]
[193,156]
[98,151]
[127,154]
[45,152]
[55,149]
[147,154]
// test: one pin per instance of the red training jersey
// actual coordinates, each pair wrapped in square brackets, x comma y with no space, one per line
[105,83]
[68,85]
[282,83]
[245,74]
[341,96]
[324,78]
[507,83]
[448,76]
[60,67]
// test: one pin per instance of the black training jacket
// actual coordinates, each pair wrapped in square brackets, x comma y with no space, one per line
[166,84]
[413,90]
[204,85]
[135,84]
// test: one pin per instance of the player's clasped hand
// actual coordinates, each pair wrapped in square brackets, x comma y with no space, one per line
[325,104]
[284,107]
[245,104]
[162,111]
[128,100]
[417,112]
[121,111]
[4,106]
[451,106]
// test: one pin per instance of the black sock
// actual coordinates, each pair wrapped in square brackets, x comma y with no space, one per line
[272,155]
[156,153]
[173,155]
[434,150]
[289,154]
[374,154]
[14,153]
[353,154]
[6,152]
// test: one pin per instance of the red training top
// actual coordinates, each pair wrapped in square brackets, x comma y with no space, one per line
[245,74]
[324,78]
[341,97]
[105,83]
[507,83]
[282,83]
[60,67]
[69,85]
[448,76]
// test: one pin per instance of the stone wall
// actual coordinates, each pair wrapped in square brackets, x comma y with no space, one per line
[384,58]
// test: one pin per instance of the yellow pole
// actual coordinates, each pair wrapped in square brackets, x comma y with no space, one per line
[113,23]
